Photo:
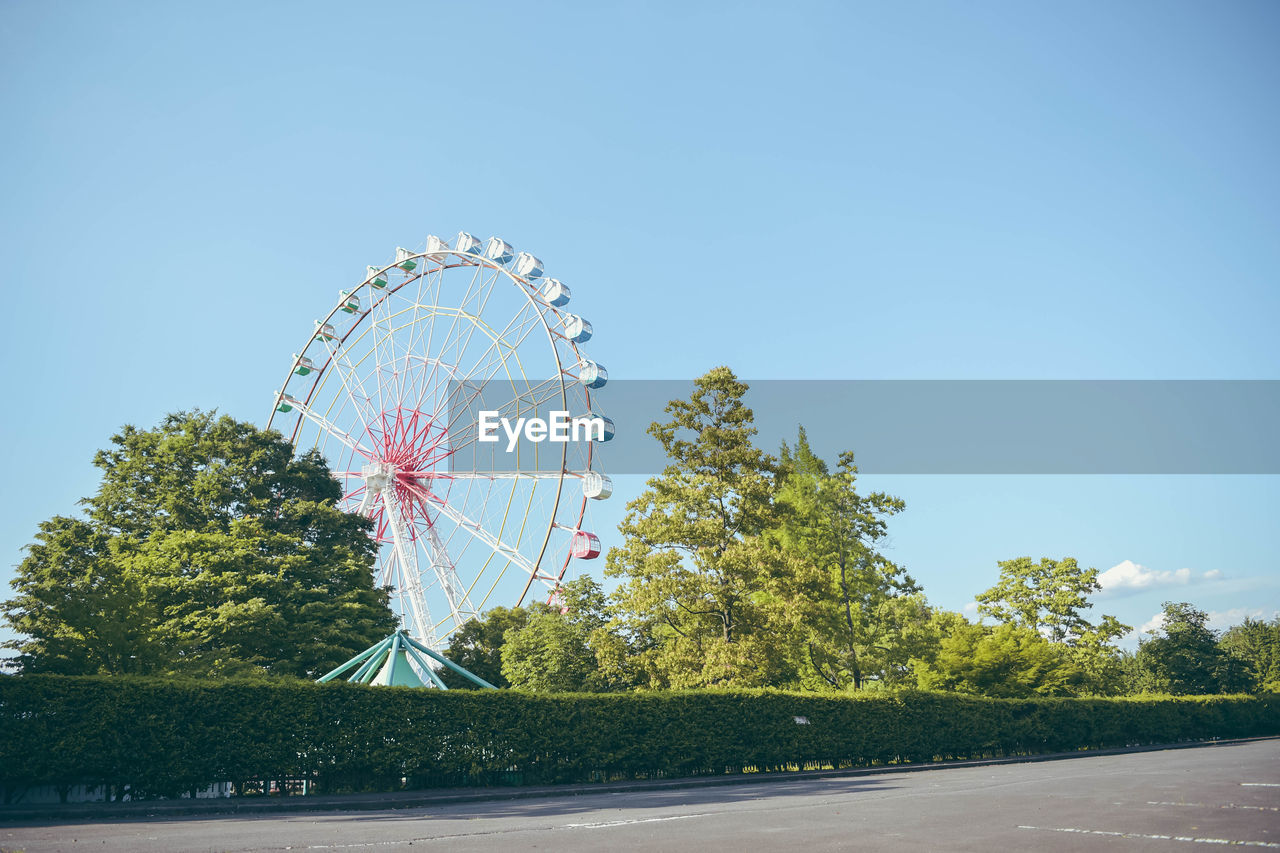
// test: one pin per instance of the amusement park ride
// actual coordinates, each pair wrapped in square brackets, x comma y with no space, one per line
[383,387]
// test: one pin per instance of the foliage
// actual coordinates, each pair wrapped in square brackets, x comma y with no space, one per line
[1005,661]
[694,558]
[1049,597]
[208,549]
[164,737]
[853,614]
[566,649]
[477,646]
[1185,658]
[1257,643]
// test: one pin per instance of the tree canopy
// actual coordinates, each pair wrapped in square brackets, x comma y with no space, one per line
[854,613]
[207,549]
[694,555]
[1185,658]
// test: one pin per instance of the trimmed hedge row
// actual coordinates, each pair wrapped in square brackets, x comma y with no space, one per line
[162,738]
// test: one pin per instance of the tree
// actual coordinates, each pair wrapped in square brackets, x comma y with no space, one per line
[853,612]
[477,646]
[1184,657]
[1257,643]
[1008,660]
[548,655]
[1048,597]
[80,609]
[208,549]
[569,648]
[694,560]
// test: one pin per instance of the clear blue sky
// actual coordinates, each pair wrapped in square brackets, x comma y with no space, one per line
[821,190]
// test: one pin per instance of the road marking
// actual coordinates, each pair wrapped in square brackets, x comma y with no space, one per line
[1261,784]
[1143,835]
[608,823]
[1211,806]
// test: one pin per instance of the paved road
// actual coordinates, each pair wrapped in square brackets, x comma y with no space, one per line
[1187,799]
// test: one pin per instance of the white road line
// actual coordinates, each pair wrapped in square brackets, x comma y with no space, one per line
[1261,784]
[1188,838]
[609,823]
[1211,806]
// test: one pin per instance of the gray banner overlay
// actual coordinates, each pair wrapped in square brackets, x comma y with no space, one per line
[919,426]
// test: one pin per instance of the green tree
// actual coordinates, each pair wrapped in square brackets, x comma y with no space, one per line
[549,655]
[1184,657]
[854,613]
[79,608]
[1049,597]
[694,560]
[1007,660]
[1257,643]
[208,549]
[477,646]
[568,648]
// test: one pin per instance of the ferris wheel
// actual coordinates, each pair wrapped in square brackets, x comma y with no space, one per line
[386,387]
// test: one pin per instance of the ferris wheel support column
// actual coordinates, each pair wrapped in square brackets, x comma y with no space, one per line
[456,594]
[406,556]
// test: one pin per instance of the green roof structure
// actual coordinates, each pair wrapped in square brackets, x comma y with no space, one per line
[391,663]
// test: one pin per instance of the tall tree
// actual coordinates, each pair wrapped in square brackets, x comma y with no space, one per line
[207,549]
[79,608]
[1257,643]
[853,612]
[694,560]
[1049,597]
[1184,657]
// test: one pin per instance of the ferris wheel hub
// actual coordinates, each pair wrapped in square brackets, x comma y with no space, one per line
[378,475]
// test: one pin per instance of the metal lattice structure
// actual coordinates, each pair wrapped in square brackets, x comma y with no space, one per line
[377,388]
[396,662]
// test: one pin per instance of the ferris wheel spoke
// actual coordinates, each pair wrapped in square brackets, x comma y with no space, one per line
[478,531]
[347,376]
[382,344]
[383,350]
[527,401]
[479,275]
[478,312]
[352,444]
[420,305]
[520,326]
[454,337]
[443,357]
[500,350]
[455,593]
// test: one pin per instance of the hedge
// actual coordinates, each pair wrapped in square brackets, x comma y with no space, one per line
[161,738]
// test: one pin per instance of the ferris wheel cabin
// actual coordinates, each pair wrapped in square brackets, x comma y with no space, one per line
[586,546]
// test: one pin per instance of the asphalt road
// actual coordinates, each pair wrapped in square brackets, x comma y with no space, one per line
[1171,800]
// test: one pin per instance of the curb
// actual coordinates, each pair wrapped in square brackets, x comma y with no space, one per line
[54,813]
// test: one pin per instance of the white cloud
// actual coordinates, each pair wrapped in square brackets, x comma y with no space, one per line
[1132,576]
[1153,624]
[1219,620]
[970,608]
[1222,619]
